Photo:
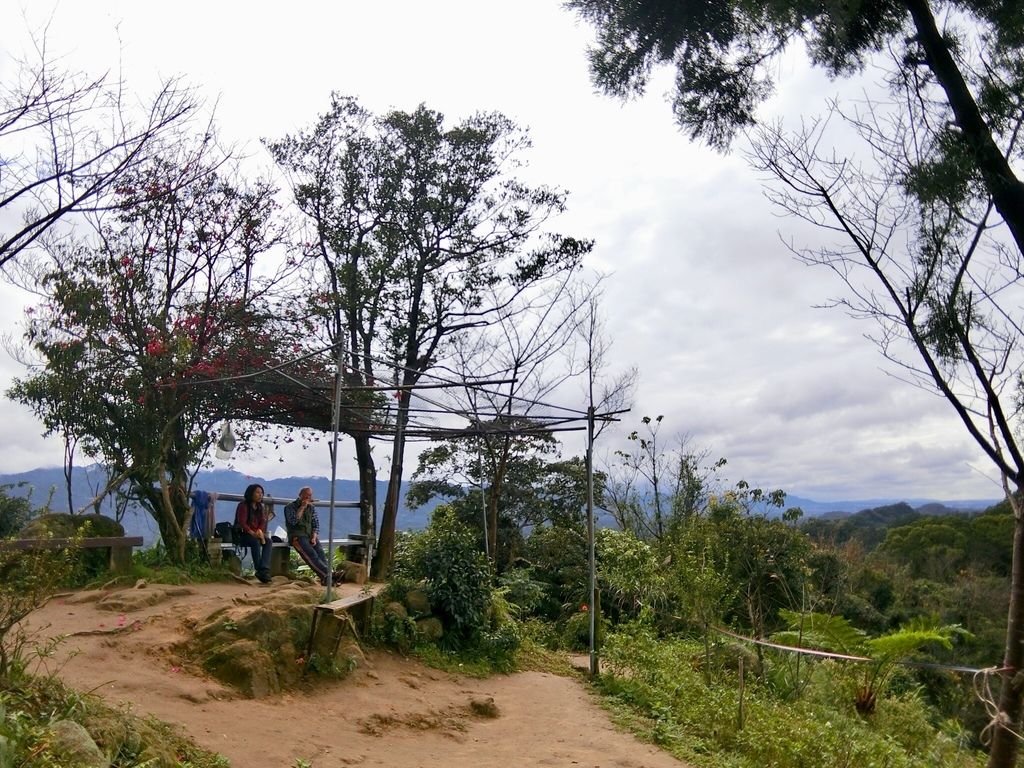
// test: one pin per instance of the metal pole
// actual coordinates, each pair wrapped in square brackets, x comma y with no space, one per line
[595,668]
[483,502]
[335,418]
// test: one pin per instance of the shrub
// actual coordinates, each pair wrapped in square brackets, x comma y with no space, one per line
[630,573]
[657,679]
[391,624]
[27,581]
[523,592]
[559,558]
[457,577]
[29,707]
[15,512]
[155,563]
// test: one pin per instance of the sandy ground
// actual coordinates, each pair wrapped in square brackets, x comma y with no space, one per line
[389,712]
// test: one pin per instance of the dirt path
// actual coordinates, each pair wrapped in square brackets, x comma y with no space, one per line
[389,712]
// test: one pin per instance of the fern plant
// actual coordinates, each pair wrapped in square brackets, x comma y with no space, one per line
[880,655]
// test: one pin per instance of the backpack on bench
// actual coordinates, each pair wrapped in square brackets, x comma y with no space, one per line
[225,532]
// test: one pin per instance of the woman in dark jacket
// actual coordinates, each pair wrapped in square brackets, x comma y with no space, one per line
[252,518]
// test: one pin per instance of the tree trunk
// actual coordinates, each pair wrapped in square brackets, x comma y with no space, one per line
[172,534]
[1003,753]
[1008,197]
[367,486]
[1006,189]
[168,504]
[389,518]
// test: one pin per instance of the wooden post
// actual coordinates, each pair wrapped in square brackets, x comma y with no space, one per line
[120,559]
[740,715]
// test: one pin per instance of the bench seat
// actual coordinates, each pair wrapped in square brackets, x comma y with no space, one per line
[119,547]
[281,552]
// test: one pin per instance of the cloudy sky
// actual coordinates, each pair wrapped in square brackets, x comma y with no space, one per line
[702,296]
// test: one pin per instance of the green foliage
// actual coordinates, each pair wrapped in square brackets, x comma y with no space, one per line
[127,325]
[630,573]
[533,489]
[329,667]
[938,548]
[15,512]
[719,569]
[867,527]
[574,631]
[27,581]
[656,680]
[885,652]
[156,564]
[923,214]
[725,55]
[766,563]
[524,593]
[395,628]
[559,558]
[31,705]
[422,233]
[457,576]
[89,563]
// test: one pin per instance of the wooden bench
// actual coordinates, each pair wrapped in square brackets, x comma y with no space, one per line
[118,547]
[280,552]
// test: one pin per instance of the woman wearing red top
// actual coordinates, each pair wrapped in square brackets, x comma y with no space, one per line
[251,516]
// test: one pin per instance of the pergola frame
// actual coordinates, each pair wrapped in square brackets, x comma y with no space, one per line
[314,397]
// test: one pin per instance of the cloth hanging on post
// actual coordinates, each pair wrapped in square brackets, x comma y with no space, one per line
[202,508]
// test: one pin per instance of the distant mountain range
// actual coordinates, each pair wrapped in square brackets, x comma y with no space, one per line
[813,508]
[39,482]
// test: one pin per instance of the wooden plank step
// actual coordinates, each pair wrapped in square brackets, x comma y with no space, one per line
[349,601]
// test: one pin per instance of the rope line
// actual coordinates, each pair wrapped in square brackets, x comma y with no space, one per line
[848,657]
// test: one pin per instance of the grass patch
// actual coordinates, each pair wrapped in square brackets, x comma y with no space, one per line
[458,663]
[33,706]
[655,688]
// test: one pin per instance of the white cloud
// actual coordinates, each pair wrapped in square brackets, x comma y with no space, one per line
[704,298]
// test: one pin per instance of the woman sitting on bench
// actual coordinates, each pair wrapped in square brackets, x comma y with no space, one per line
[304,533]
[251,517]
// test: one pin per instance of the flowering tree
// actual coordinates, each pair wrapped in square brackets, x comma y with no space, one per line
[137,330]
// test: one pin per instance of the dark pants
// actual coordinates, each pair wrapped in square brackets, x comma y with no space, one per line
[313,556]
[260,554]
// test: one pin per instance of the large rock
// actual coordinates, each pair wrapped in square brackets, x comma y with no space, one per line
[88,562]
[73,743]
[417,601]
[63,526]
[252,644]
[430,628]
[244,665]
[353,573]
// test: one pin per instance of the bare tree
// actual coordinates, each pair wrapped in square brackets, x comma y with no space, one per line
[530,347]
[66,141]
[920,250]
[653,486]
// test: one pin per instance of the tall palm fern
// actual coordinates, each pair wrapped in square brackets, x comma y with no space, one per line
[880,655]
